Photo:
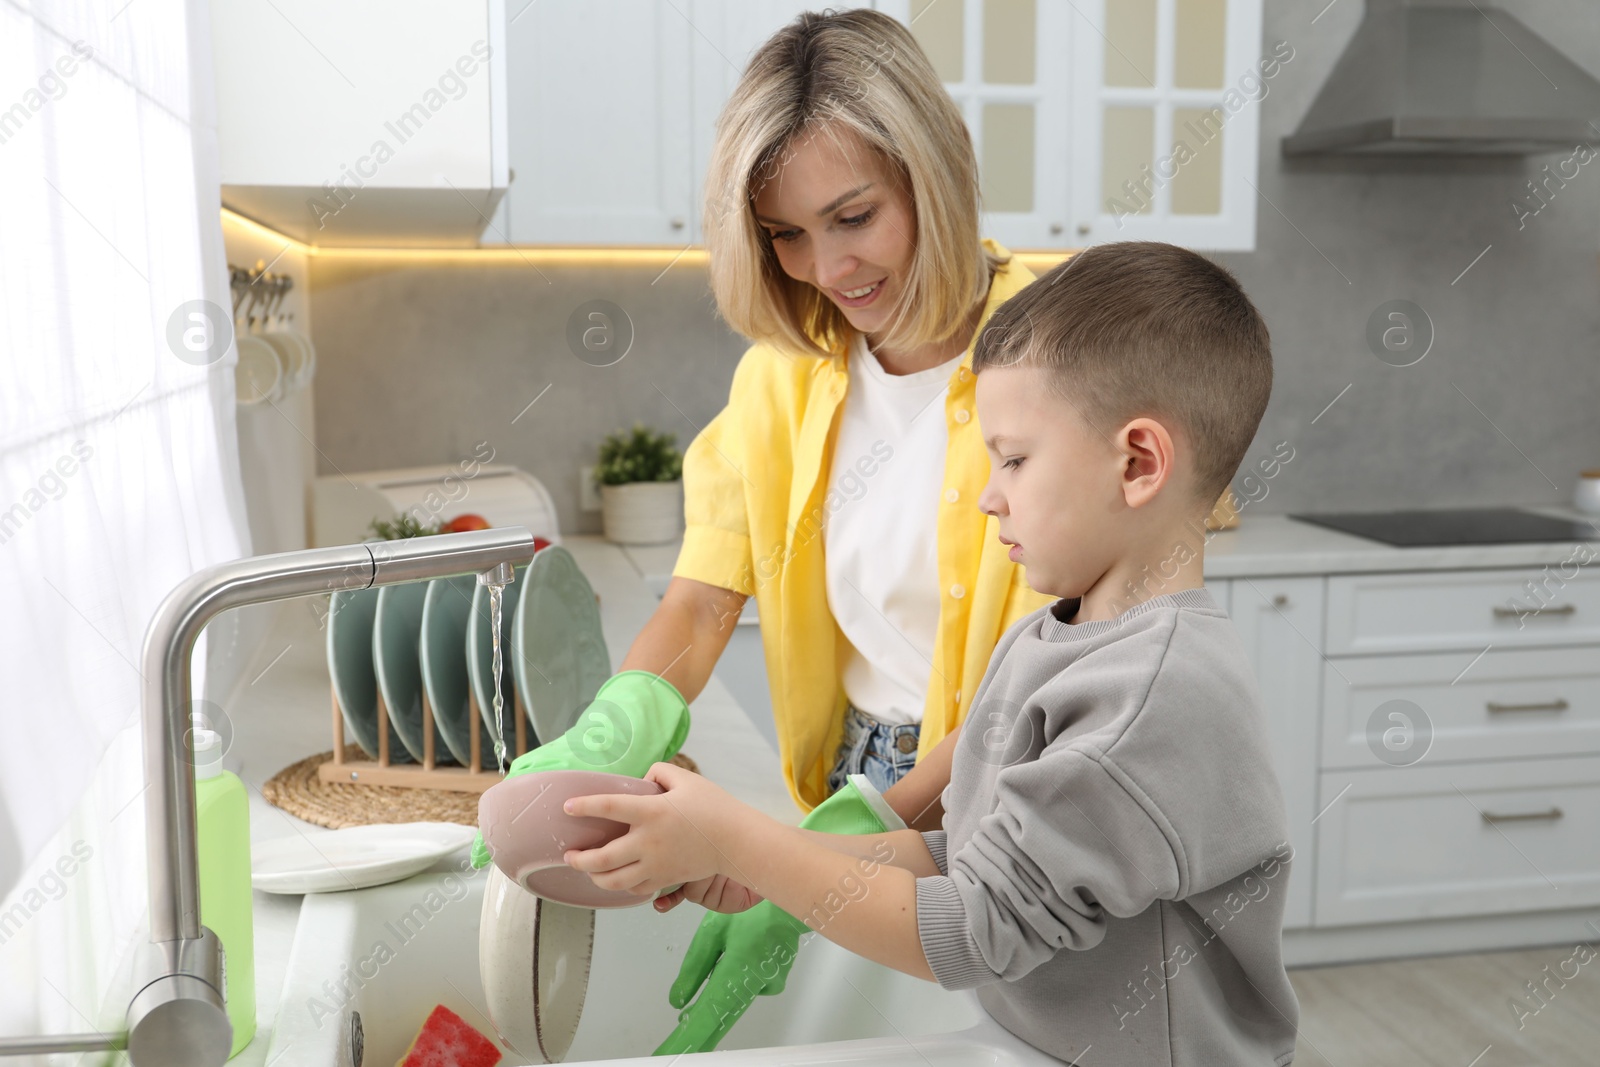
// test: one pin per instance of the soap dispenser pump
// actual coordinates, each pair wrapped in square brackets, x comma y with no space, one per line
[222,828]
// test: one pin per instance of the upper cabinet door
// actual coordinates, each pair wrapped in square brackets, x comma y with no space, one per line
[343,125]
[1001,60]
[725,34]
[599,123]
[1166,108]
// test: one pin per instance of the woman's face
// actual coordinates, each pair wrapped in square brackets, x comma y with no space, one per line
[839,221]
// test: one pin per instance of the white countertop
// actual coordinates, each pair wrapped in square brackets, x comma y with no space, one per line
[1268,545]
[283,716]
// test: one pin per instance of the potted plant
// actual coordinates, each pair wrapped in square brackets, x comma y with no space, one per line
[640,475]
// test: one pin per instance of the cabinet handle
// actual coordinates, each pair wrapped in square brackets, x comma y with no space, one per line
[1558,704]
[677,222]
[1517,613]
[1523,816]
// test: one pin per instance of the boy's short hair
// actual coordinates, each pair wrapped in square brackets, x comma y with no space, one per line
[1143,328]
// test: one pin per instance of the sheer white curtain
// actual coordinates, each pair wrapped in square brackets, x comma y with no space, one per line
[118,462]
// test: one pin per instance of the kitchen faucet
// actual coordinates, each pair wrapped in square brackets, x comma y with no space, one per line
[178,1017]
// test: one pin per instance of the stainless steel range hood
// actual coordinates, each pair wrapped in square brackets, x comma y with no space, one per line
[1448,76]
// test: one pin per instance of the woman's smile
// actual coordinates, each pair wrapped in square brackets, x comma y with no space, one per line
[859,297]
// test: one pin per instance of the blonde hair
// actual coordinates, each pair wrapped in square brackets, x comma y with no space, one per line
[861,72]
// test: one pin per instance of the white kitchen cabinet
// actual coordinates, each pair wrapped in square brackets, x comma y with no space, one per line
[344,125]
[1506,703]
[1280,623]
[1462,610]
[1001,61]
[599,96]
[1435,841]
[613,111]
[727,32]
[1076,111]
[1102,121]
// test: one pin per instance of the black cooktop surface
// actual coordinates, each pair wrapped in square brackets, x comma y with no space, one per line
[1453,526]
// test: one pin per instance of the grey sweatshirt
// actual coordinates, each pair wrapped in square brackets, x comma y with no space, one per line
[1115,852]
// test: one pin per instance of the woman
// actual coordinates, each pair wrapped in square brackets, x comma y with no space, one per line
[839,486]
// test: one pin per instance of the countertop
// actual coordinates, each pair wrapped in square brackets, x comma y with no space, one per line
[282,715]
[1276,545]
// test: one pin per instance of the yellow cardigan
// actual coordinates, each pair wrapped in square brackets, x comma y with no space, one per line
[755,481]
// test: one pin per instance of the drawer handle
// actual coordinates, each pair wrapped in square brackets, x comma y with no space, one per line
[1517,613]
[1558,704]
[1523,816]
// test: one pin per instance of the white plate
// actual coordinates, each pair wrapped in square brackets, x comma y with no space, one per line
[533,957]
[353,858]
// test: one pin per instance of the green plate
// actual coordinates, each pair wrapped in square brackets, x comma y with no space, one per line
[351,617]
[445,610]
[396,655]
[561,659]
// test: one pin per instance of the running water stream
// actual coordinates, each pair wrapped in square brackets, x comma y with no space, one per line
[495,591]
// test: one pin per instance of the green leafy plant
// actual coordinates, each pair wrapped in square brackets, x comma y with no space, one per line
[639,456]
[400,528]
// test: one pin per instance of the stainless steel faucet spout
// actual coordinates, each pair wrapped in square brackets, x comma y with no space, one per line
[177,1017]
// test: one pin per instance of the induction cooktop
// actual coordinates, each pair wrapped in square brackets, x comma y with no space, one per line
[1454,526]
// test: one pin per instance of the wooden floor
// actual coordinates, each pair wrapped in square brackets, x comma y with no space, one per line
[1452,1011]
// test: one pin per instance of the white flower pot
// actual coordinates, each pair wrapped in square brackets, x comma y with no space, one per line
[642,513]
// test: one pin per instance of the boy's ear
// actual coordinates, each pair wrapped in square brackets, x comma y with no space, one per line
[1149,458]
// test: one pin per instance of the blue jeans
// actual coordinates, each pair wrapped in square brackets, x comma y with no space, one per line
[881,751]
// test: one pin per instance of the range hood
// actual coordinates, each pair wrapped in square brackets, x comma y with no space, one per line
[1448,76]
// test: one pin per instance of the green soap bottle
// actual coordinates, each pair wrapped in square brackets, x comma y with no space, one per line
[222,824]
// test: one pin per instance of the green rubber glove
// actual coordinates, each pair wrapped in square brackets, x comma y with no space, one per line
[747,954]
[635,720]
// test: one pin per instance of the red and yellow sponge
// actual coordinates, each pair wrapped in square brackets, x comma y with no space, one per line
[446,1040]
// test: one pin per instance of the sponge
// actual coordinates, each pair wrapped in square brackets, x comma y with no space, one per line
[446,1040]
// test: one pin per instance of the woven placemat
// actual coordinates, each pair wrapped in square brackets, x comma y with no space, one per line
[297,790]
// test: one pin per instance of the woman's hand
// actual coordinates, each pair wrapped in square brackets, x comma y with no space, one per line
[717,893]
[681,836]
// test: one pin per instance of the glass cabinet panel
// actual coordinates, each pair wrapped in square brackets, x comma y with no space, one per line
[1009,29]
[937,26]
[1126,156]
[1197,139]
[1131,43]
[1200,43]
[1007,162]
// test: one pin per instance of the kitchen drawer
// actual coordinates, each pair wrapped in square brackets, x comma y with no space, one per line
[1509,703]
[1430,842]
[1462,610]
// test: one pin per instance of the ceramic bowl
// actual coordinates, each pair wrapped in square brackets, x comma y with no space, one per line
[527,833]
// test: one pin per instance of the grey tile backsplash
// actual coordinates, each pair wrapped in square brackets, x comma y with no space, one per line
[420,359]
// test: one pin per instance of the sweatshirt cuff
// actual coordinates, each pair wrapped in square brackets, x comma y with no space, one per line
[935,840]
[947,942]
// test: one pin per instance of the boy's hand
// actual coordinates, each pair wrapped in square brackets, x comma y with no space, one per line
[674,838]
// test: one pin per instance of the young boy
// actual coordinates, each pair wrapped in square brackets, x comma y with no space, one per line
[1114,858]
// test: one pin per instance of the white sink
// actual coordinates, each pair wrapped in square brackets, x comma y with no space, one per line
[392,952]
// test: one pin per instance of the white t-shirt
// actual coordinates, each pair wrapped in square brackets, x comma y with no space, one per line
[880,525]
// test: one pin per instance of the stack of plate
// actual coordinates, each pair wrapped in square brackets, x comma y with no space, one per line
[432,641]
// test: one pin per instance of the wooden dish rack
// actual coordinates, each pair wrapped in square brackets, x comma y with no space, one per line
[428,774]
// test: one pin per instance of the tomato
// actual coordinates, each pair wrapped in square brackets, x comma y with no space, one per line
[464,523]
